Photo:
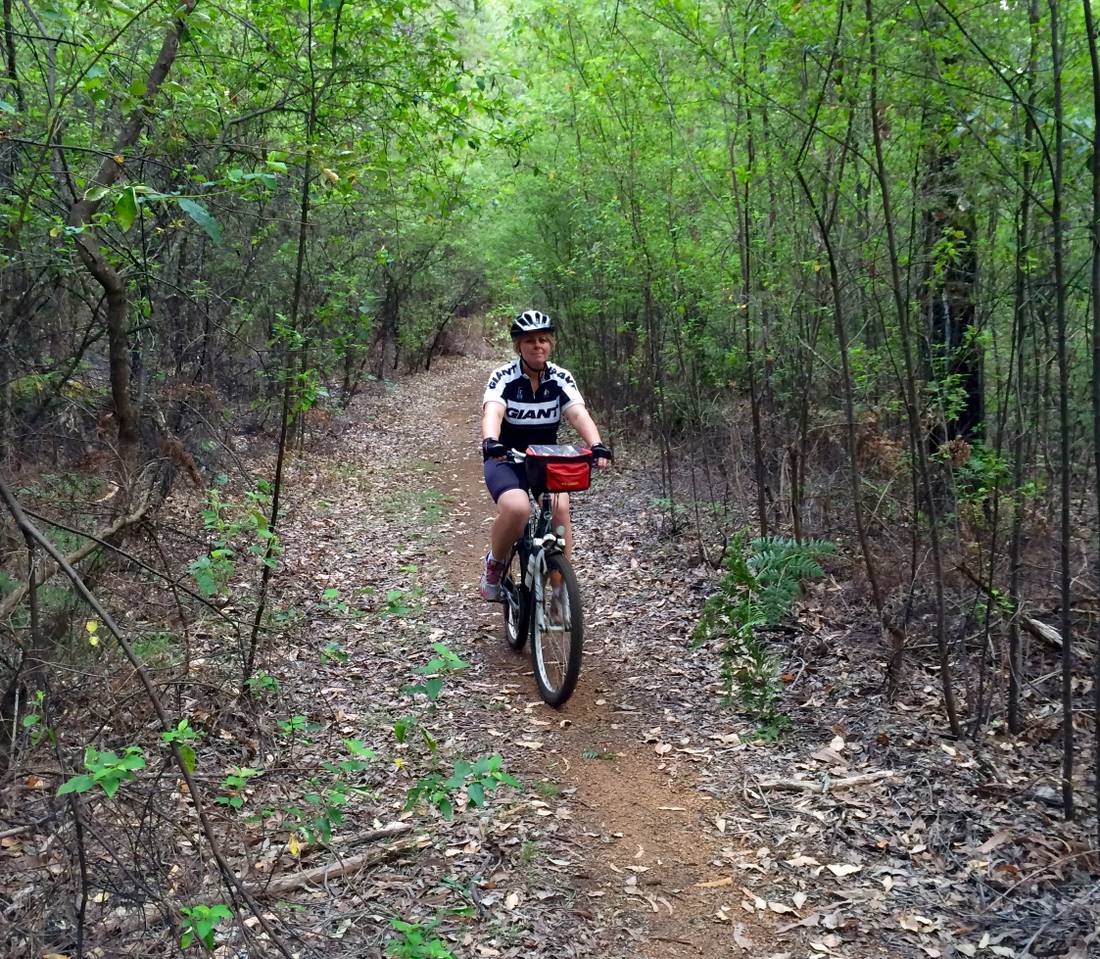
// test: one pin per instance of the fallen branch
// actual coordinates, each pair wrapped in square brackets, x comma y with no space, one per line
[389,831]
[16,596]
[1033,627]
[826,785]
[33,535]
[149,915]
[334,870]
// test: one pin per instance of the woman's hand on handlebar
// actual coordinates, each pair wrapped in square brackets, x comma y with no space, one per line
[602,455]
[492,449]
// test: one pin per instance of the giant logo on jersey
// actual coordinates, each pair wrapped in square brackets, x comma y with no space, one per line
[533,412]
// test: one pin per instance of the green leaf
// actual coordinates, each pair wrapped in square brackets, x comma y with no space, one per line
[78,784]
[476,794]
[6,107]
[187,754]
[126,209]
[132,761]
[356,748]
[202,217]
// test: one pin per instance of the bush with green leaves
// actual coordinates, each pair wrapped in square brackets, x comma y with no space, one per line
[445,661]
[478,779]
[199,923]
[417,941]
[762,579]
[235,526]
[105,769]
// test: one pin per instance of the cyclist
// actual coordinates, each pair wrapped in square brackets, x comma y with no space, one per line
[523,405]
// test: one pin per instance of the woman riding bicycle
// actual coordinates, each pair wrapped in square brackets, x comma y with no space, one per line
[523,405]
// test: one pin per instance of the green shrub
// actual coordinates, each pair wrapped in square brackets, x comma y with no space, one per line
[762,579]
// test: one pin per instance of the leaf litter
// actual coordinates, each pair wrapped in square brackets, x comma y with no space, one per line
[650,822]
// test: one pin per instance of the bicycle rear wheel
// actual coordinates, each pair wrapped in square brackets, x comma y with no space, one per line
[557,632]
[516,604]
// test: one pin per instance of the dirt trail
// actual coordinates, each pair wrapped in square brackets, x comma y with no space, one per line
[653,854]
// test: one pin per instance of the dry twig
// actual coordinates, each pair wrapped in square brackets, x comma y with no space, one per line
[826,785]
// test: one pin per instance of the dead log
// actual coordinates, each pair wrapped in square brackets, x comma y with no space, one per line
[826,785]
[334,870]
[1033,627]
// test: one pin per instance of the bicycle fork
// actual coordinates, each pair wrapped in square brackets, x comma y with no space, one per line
[534,575]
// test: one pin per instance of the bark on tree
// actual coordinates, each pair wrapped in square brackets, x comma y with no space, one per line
[951,270]
[1094,290]
[1066,529]
[112,282]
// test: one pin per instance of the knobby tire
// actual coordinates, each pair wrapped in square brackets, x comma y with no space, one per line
[517,604]
[556,652]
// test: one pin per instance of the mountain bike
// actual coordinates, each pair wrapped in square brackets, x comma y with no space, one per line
[542,601]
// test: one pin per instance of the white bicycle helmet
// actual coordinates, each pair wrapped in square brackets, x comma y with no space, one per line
[531,321]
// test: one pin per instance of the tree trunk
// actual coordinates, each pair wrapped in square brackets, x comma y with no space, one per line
[916,435]
[1065,526]
[114,285]
[951,270]
[1094,290]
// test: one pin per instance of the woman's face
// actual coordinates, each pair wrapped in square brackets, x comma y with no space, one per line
[535,349]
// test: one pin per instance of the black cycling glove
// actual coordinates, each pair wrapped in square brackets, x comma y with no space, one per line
[492,449]
[601,452]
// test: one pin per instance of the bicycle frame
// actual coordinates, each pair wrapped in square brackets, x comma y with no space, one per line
[542,600]
[539,541]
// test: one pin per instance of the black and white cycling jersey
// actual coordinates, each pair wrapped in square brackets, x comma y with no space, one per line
[531,417]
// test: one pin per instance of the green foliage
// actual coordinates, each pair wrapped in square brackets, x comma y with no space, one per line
[416,941]
[106,770]
[236,783]
[237,527]
[333,653]
[398,602]
[199,923]
[435,671]
[154,646]
[295,725]
[778,567]
[333,603]
[361,759]
[261,682]
[478,779]
[762,578]
[325,799]
[325,813]
[33,718]
[183,737]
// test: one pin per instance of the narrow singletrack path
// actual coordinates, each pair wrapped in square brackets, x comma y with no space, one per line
[653,853]
[651,822]
[621,843]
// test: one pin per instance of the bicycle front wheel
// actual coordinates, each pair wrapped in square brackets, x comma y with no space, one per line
[516,604]
[557,632]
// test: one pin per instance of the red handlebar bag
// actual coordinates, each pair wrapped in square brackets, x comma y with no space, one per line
[558,469]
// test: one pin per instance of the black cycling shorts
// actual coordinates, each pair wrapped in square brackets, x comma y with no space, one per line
[501,476]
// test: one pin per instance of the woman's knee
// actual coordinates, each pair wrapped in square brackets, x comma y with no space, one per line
[513,504]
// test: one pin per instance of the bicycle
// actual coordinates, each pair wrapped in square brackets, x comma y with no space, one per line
[542,601]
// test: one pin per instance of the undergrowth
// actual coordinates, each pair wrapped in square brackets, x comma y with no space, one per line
[762,579]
